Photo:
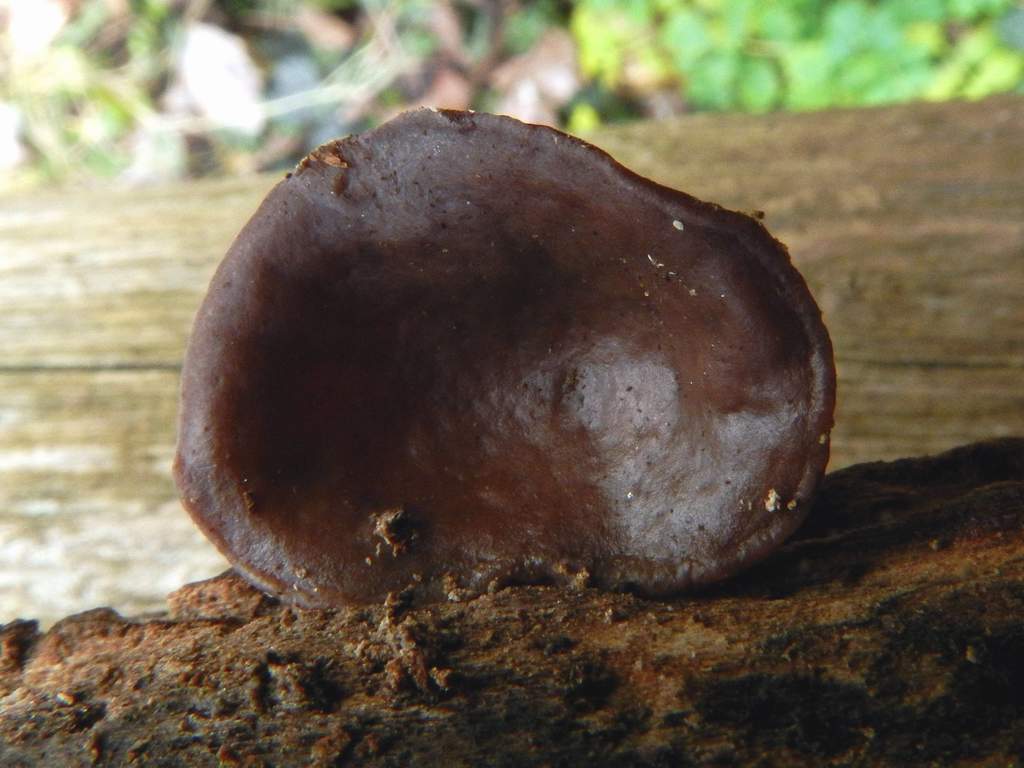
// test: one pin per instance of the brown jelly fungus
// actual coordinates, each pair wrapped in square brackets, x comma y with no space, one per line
[459,352]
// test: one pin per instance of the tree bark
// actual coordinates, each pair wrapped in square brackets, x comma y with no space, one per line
[888,631]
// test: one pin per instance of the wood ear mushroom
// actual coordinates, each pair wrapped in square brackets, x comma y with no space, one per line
[459,351]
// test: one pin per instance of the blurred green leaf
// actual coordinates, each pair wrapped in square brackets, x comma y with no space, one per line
[946,80]
[976,45]
[808,72]
[153,10]
[966,10]
[668,7]
[118,110]
[952,77]
[711,6]
[759,85]
[600,50]
[712,82]
[884,31]
[600,6]
[641,12]
[911,11]
[929,37]
[739,18]
[686,36]
[778,22]
[999,71]
[845,26]
[904,78]
[583,118]
[859,74]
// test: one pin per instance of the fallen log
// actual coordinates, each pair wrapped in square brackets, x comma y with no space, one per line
[887,631]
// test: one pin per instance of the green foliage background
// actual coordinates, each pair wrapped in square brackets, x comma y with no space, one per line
[801,54]
[104,76]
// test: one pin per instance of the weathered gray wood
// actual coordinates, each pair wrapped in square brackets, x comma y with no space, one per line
[111,278]
[908,223]
[89,513]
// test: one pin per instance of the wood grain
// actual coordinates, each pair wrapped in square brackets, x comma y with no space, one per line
[907,222]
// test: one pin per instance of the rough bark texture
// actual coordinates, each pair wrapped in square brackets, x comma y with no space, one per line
[886,632]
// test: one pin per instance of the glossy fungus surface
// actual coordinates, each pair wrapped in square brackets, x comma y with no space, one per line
[459,351]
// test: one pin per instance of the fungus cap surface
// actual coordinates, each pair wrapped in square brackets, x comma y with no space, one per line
[460,351]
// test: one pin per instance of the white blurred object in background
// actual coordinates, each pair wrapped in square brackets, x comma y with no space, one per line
[32,25]
[217,79]
[12,151]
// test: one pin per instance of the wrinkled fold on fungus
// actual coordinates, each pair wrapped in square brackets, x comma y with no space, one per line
[458,352]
